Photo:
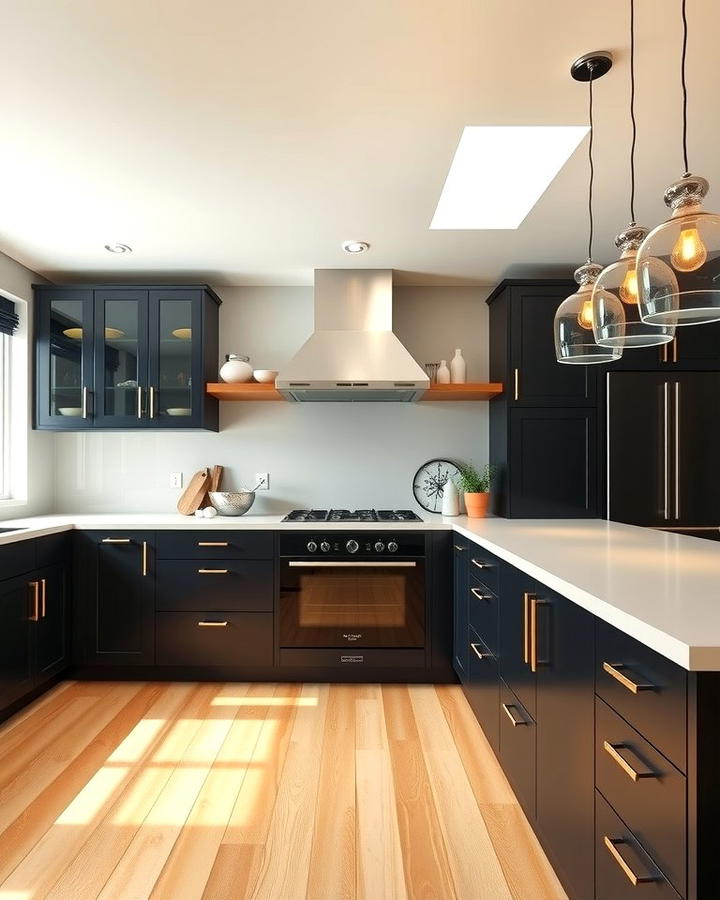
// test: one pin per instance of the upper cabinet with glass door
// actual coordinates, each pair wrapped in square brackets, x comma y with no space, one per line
[125,357]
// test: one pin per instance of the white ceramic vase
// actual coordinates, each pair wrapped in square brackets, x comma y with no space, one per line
[451,499]
[458,368]
[443,373]
[236,369]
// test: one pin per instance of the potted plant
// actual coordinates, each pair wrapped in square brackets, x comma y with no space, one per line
[476,488]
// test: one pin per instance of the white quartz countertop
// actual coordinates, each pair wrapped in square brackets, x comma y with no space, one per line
[661,588]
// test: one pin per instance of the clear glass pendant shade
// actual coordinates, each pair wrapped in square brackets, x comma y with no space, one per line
[574,339]
[615,310]
[678,263]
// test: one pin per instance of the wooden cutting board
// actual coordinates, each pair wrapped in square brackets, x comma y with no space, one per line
[194,494]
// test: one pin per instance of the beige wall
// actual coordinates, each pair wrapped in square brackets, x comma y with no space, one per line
[347,454]
[17,281]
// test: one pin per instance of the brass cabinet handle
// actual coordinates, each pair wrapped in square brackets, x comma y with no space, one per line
[212,571]
[532,640]
[116,541]
[476,592]
[139,403]
[516,720]
[84,403]
[151,403]
[526,632]
[634,686]
[213,624]
[144,558]
[634,879]
[517,384]
[479,653]
[43,593]
[675,350]
[664,353]
[612,751]
[458,547]
[480,564]
[35,585]
[212,543]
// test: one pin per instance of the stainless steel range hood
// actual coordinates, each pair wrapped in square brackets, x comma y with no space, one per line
[353,354]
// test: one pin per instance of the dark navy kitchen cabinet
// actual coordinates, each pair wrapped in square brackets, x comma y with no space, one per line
[460,592]
[17,620]
[125,356]
[53,645]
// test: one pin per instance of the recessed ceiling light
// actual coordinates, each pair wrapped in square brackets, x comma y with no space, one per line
[355,246]
[499,172]
[118,248]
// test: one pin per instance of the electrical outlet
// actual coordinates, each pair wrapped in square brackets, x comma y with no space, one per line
[262,480]
[176,479]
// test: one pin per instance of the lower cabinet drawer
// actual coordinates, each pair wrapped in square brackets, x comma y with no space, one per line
[482,688]
[484,566]
[517,748]
[483,613]
[213,544]
[623,870]
[647,689]
[214,639]
[348,660]
[646,790]
[213,584]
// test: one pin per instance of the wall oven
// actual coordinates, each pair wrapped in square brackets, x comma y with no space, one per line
[352,590]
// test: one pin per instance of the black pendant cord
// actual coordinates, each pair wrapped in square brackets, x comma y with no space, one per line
[684,85]
[632,112]
[592,167]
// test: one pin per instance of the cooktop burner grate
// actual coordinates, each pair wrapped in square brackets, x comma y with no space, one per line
[346,515]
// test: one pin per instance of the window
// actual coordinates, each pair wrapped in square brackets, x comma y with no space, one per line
[5,441]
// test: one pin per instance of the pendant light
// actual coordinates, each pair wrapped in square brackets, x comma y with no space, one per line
[615,300]
[678,263]
[574,339]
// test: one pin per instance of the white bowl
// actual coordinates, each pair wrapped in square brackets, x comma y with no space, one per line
[179,411]
[70,410]
[265,376]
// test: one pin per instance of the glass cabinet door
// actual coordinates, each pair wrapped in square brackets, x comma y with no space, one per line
[64,358]
[176,384]
[121,358]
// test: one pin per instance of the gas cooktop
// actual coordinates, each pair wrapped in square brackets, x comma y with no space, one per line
[357,515]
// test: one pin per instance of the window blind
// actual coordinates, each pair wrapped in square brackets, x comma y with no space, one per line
[8,317]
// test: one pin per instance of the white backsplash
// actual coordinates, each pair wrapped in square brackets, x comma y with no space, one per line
[352,455]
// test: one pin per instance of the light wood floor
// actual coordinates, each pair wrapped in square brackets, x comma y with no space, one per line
[255,790]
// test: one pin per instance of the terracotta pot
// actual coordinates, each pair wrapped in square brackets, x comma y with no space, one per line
[476,505]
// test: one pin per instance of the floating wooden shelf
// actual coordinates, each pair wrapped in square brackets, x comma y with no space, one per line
[248,391]
[443,392]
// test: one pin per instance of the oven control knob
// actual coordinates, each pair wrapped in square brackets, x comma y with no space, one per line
[352,546]
[312,546]
[325,547]
[392,547]
[379,547]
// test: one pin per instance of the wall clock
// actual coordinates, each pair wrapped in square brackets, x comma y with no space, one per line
[429,483]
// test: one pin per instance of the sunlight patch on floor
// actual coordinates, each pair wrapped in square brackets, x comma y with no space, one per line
[88,803]
[132,747]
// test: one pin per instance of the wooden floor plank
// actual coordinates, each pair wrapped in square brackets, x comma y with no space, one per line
[475,868]
[427,871]
[267,791]
[380,869]
[137,730]
[332,862]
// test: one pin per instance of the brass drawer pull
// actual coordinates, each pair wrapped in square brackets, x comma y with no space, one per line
[35,585]
[144,558]
[151,412]
[612,751]
[516,720]
[480,564]
[139,403]
[116,541]
[633,686]
[458,547]
[526,630]
[212,624]
[212,571]
[476,592]
[43,594]
[212,543]
[635,880]
[479,653]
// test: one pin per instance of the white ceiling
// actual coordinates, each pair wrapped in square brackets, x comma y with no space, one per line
[241,141]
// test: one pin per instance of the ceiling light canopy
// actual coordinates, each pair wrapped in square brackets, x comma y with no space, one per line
[499,172]
[355,246]
[117,247]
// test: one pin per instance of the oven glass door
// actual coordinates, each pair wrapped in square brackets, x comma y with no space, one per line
[352,604]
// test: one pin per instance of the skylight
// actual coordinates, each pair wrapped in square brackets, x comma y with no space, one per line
[499,172]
